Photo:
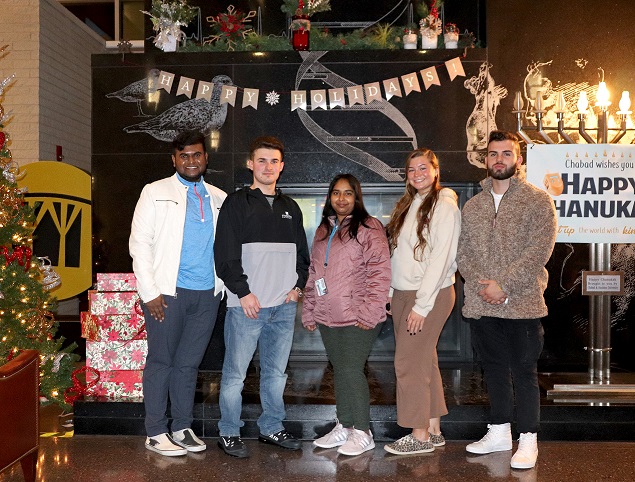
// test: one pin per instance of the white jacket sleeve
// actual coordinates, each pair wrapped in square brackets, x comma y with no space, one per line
[141,246]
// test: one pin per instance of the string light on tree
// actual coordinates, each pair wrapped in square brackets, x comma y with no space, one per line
[26,320]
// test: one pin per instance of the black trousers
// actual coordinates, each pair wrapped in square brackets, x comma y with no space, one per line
[509,351]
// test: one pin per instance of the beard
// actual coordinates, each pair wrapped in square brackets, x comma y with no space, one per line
[502,175]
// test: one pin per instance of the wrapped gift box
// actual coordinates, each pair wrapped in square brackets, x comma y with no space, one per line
[113,327]
[116,355]
[116,282]
[90,329]
[119,384]
[113,302]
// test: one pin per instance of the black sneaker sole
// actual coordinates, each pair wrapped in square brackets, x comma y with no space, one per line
[239,454]
[266,440]
[191,448]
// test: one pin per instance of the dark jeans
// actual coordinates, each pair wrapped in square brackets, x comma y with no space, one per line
[509,352]
[175,349]
[347,349]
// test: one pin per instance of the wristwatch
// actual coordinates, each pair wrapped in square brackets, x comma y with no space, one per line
[299,291]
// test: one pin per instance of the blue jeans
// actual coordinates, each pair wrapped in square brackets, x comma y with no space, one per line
[272,333]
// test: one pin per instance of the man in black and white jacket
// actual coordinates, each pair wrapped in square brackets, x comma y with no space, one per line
[262,256]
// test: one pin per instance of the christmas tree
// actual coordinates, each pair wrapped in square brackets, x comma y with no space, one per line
[26,318]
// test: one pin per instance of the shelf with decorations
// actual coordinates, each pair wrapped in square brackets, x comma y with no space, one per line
[235,30]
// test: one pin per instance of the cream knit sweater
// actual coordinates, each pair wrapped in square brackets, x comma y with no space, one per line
[435,270]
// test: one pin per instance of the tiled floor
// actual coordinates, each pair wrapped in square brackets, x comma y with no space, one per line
[124,459]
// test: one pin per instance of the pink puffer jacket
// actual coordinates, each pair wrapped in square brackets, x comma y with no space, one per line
[357,277]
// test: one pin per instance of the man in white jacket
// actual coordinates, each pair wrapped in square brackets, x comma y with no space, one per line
[172,247]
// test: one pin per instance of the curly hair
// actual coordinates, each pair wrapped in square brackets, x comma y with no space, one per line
[398,215]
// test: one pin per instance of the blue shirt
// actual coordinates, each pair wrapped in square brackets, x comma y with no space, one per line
[196,268]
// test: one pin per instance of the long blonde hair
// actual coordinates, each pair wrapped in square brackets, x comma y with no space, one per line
[424,212]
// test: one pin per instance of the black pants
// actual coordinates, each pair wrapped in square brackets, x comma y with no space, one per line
[509,352]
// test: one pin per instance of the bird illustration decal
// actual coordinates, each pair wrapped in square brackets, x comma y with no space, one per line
[197,114]
[138,91]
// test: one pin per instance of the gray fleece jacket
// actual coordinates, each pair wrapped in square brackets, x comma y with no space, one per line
[511,246]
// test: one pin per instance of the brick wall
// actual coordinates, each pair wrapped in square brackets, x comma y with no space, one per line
[50,99]
[66,45]
[20,31]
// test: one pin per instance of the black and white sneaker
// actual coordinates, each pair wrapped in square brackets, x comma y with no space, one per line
[282,439]
[233,446]
[164,445]
[190,442]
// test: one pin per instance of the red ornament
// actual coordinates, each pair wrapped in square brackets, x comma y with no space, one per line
[434,11]
[3,138]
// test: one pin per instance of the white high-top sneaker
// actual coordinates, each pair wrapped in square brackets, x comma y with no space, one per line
[527,453]
[497,439]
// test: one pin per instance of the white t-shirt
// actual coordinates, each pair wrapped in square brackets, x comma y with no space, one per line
[497,199]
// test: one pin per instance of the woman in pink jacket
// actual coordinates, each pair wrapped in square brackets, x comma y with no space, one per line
[346,297]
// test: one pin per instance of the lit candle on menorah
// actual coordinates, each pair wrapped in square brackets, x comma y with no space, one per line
[560,109]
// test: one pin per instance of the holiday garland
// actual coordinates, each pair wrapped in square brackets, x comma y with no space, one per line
[295,7]
[232,33]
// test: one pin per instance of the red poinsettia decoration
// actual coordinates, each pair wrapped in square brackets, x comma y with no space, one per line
[231,25]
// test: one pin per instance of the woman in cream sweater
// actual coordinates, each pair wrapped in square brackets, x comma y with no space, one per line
[423,233]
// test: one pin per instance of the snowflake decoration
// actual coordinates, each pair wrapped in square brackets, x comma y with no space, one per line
[272,98]
[230,27]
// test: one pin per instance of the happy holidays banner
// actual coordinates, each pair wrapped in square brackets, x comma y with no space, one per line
[320,98]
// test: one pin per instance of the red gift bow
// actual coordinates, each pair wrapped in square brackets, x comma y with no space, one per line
[79,389]
[22,254]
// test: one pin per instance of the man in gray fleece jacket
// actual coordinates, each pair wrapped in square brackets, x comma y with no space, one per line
[507,235]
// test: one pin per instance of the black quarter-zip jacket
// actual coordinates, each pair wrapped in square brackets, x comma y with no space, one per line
[259,248]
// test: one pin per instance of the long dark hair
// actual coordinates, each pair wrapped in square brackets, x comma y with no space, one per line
[359,214]
[398,215]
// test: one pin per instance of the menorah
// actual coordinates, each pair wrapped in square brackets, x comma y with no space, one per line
[599,336]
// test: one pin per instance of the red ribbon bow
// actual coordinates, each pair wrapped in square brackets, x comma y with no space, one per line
[22,254]
[78,390]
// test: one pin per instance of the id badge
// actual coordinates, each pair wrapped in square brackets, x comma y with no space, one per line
[320,287]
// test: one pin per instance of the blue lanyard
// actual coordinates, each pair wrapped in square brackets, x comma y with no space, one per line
[328,246]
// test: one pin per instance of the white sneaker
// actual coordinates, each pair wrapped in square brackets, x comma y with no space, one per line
[527,453]
[497,439]
[185,438]
[358,442]
[336,437]
[164,445]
